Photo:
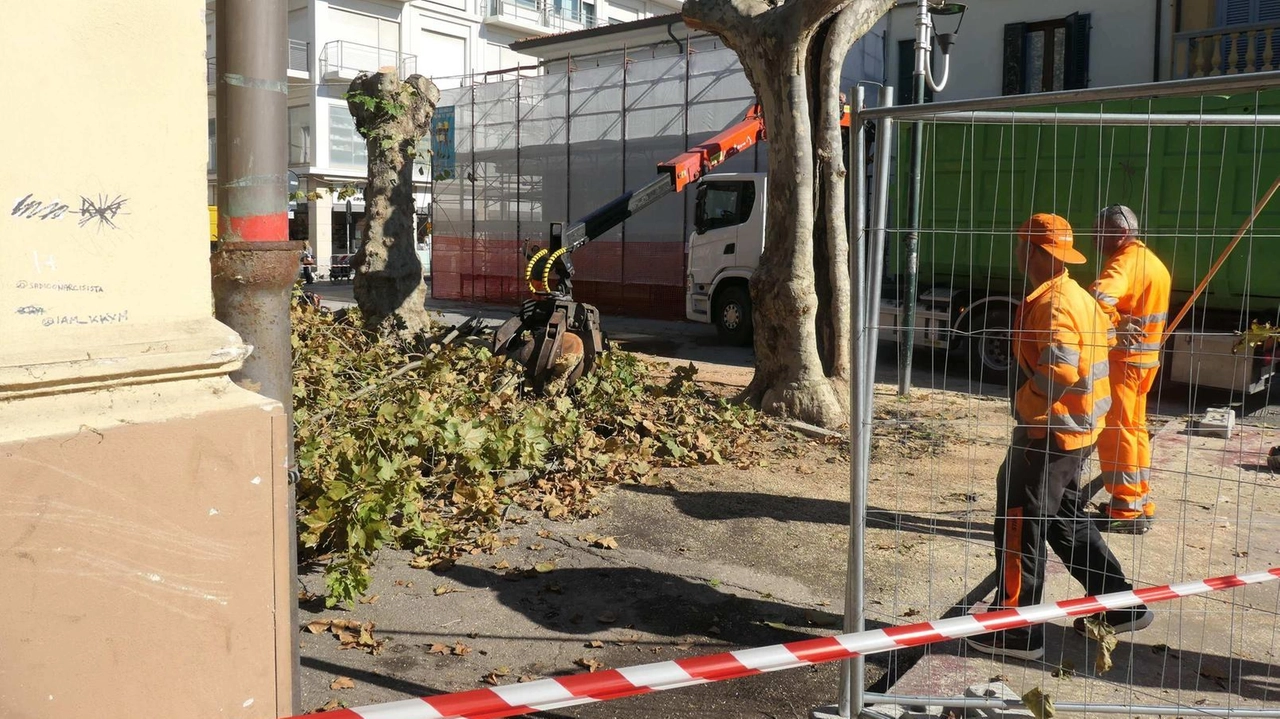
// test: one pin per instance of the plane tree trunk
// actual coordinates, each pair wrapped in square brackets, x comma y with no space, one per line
[792,54]
[392,116]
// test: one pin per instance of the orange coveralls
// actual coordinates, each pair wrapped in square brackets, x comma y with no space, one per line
[1133,290]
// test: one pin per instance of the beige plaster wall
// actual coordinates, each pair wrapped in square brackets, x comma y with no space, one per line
[104,146]
[144,523]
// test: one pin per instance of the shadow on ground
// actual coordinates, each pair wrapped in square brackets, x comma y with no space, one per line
[585,601]
[738,505]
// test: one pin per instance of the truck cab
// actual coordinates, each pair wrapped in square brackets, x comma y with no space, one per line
[724,249]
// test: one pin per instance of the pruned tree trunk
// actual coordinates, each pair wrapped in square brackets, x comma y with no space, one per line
[392,116]
[792,54]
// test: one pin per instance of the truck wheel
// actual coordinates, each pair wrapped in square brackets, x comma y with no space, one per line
[990,343]
[732,315]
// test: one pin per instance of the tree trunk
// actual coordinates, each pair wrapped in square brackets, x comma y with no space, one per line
[792,54]
[392,116]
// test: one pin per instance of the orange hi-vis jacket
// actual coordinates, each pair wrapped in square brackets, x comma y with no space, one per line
[1061,338]
[1134,288]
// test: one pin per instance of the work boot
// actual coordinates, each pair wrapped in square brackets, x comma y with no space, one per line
[1122,525]
[1008,643]
[1120,620]
[1118,525]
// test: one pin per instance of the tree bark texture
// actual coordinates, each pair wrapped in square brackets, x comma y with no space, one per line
[392,116]
[792,54]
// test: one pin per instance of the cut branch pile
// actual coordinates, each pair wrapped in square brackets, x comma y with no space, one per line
[423,444]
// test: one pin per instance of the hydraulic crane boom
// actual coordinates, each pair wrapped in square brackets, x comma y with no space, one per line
[557,338]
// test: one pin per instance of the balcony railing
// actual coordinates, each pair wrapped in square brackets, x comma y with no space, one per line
[550,15]
[299,56]
[1226,50]
[345,59]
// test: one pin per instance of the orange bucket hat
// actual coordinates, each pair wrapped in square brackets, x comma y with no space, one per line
[1053,233]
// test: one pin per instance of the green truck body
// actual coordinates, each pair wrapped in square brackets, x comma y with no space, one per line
[1193,187]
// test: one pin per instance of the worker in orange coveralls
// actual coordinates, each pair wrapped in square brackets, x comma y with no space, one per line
[1133,290]
[1060,341]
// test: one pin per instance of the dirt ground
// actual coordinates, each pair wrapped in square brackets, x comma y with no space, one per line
[715,558]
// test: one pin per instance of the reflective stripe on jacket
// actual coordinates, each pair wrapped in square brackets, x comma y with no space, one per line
[1060,339]
[1134,288]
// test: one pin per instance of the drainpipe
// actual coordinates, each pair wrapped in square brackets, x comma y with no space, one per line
[255,265]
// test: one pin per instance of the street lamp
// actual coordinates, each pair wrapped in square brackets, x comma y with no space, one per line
[922,76]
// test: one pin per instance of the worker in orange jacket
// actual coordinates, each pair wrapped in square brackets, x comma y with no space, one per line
[1133,290]
[1060,341]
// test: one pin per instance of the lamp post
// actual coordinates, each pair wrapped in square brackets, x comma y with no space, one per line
[921,76]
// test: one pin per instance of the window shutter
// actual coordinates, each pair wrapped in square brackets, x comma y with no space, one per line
[1014,58]
[1234,12]
[1076,75]
[1268,11]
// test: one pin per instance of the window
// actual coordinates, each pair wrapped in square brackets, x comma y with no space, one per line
[589,14]
[724,204]
[213,145]
[299,135]
[906,72]
[1046,56]
[1247,12]
[346,146]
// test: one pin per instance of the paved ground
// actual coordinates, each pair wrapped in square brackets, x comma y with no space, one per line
[718,558]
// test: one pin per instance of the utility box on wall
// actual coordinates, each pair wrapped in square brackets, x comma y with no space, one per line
[144,526]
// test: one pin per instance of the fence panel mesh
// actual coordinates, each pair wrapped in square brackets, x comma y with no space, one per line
[932,484]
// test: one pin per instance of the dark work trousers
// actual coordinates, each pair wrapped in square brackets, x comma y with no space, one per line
[1037,500]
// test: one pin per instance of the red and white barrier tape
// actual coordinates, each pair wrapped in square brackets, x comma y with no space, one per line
[574,689]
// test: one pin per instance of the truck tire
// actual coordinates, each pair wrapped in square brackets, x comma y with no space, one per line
[990,345]
[731,312]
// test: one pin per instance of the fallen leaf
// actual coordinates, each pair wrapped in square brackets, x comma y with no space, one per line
[318,627]
[438,649]
[460,649]
[544,533]
[342,683]
[595,644]
[684,644]
[589,538]
[1101,632]
[714,582]
[1239,553]
[525,678]
[544,567]
[1039,704]
[371,599]
[502,564]
[444,589]
[606,617]
[537,547]
[605,543]
[330,705]
[589,664]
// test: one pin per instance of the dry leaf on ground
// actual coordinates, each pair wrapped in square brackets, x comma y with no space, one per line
[342,683]
[1039,704]
[589,664]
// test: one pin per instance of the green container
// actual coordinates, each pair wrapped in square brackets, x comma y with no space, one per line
[1192,187]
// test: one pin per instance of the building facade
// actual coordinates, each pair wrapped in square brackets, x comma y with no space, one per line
[1009,47]
[453,42]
